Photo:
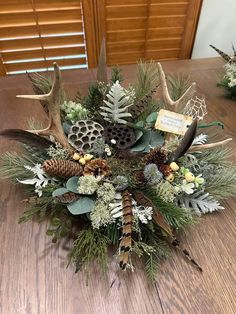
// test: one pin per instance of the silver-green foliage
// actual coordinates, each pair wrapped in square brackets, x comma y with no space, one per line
[116,106]
[200,202]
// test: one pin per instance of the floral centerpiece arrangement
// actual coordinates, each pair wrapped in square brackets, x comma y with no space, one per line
[228,82]
[120,168]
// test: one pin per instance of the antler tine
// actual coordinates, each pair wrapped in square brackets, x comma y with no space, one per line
[170,104]
[54,127]
[210,145]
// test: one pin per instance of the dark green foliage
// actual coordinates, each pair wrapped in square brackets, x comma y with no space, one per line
[160,251]
[60,227]
[113,233]
[37,208]
[231,91]
[116,75]
[91,245]
[94,100]
[177,217]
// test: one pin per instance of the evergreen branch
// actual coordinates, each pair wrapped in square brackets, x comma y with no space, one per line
[178,84]
[147,79]
[176,217]
[91,245]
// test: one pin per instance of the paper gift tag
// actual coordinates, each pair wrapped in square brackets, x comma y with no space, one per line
[172,122]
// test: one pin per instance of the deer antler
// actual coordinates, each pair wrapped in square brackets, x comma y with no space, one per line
[170,104]
[207,146]
[54,127]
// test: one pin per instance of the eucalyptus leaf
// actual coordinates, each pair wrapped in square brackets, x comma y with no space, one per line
[138,134]
[83,205]
[152,117]
[156,139]
[66,127]
[72,184]
[143,142]
[140,124]
[59,192]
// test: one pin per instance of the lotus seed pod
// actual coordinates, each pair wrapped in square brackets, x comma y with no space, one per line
[84,133]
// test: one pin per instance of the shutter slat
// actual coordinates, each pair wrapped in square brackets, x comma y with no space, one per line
[27,31]
[12,67]
[30,43]
[47,17]
[161,55]
[34,54]
[141,10]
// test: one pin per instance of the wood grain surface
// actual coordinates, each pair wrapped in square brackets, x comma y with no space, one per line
[34,278]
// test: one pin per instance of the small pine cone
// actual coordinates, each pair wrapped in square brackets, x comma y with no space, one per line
[140,178]
[97,167]
[62,168]
[156,156]
[67,198]
[165,169]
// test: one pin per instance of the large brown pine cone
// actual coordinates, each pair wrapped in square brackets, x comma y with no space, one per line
[62,168]
[97,167]
[156,156]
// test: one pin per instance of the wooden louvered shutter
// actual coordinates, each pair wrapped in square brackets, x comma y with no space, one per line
[147,29]
[35,33]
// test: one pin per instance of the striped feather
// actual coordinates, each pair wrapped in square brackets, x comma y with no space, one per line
[126,240]
[27,138]
[222,54]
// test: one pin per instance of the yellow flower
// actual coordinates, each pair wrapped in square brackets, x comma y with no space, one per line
[170,177]
[174,166]
[189,177]
[76,156]
[82,161]
[88,157]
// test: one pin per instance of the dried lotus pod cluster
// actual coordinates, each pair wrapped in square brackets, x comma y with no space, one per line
[123,135]
[84,133]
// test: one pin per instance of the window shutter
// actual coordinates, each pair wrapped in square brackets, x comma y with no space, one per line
[35,33]
[150,29]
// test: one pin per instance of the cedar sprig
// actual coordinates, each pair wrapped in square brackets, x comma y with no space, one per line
[91,245]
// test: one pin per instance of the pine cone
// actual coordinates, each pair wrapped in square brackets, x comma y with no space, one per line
[156,156]
[62,168]
[97,167]
[140,178]
[67,198]
[165,169]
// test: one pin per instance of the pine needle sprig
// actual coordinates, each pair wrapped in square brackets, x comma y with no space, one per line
[178,84]
[222,184]
[177,217]
[217,156]
[12,166]
[147,78]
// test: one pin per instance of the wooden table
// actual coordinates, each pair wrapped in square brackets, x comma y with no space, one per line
[33,274]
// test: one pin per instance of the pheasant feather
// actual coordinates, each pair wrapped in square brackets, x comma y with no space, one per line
[186,142]
[126,241]
[26,138]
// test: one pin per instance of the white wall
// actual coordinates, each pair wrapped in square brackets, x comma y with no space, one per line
[217,26]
